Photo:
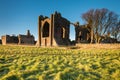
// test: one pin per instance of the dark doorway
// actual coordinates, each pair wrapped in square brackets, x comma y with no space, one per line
[46,30]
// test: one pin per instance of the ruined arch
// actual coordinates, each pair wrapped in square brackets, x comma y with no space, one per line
[50,32]
[45,30]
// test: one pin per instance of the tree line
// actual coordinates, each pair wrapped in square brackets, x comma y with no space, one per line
[102,22]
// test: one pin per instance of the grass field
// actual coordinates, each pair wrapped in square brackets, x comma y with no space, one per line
[84,62]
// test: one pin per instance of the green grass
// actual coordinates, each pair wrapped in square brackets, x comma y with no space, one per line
[34,63]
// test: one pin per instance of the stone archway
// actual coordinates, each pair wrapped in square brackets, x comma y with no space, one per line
[45,30]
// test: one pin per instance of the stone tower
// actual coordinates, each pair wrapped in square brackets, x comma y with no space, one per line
[53,31]
[28,33]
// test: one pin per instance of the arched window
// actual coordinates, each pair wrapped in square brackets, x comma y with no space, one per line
[63,32]
[46,30]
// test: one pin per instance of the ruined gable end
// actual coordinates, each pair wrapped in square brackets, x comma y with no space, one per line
[53,31]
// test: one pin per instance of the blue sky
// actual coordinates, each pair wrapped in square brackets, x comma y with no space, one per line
[17,16]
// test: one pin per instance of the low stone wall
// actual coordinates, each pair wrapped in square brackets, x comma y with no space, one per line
[100,46]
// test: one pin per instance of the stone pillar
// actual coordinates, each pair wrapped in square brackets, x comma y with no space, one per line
[52,29]
[39,30]
[76,35]
[68,32]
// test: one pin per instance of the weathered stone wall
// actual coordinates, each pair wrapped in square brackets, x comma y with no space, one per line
[7,39]
[61,30]
[20,39]
[82,34]
[3,40]
[27,40]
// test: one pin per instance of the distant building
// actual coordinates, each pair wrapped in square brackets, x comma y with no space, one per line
[26,39]
[20,39]
[7,39]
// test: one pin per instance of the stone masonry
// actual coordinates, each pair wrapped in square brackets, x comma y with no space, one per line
[20,39]
[53,31]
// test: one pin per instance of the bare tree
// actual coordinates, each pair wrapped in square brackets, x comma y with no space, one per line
[101,21]
[116,31]
[88,17]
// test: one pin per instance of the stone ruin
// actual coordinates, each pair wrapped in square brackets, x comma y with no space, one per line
[26,39]
[20,39]
[7,39]
[82,33]
[53,31]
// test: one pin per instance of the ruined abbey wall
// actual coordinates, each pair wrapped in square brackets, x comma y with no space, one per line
[20,39]
[7,39]
[82,34]
[53,31]
[23,39]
